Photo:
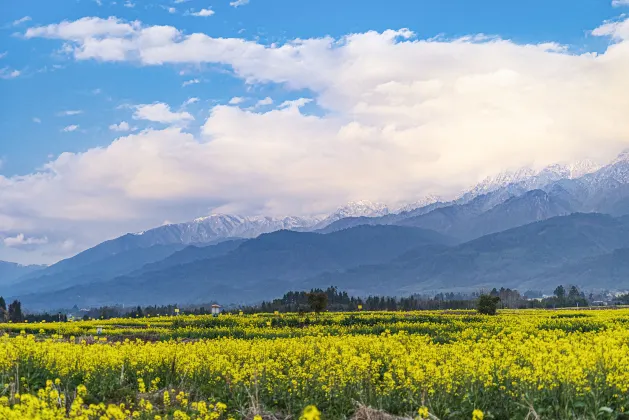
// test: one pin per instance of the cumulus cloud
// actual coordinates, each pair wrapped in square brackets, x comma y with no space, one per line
[83,29]
[618,3]
[161,113]
[617,30]
[395,118]
[190,101]
[122,126]
[264,102]
[20,241]
[203,13]
[236,100]
[70,128]
[297,103]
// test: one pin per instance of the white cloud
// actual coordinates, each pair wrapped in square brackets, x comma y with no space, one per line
[203,13]
[21,20]
[264,102]
[181,1]
[4,54]
[618,3]
[7,73]
[20,241]
[397,118]
[98,2]
[70,112]
[160,112]
[172,10]
[238,3]
[36,120]
[129,4]
[297,103]
[84,29]
[617,30]
[190,101]
[236,100]
[70,128]
[122,126]
[190,82]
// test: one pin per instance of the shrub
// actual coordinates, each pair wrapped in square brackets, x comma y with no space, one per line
[487,304]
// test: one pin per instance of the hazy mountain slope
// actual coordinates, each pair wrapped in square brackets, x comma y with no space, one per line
[510,258]
[11,272]
[608,271]
[532,206]
[257,269]
[454,219]
[191,253]
[101,270]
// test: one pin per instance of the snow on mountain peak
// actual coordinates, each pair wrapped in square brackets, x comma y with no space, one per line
[622,157]
[218,226]
[583,167]
[362,208]
[528,178]
[422,202]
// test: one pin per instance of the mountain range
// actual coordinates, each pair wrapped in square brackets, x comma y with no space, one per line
[525,229]
[11,272]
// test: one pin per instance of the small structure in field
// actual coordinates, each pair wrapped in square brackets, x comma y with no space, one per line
[99,330]
[216,309]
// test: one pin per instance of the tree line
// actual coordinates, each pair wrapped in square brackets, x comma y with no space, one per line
[335,300]
[12,313]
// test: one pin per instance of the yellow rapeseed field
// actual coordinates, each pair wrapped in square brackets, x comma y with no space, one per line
[519,364]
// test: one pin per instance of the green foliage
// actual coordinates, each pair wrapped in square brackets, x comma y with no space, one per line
[318,301]
[487,304]
[15,311]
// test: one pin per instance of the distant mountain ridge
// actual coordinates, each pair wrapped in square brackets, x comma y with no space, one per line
[524,257]
[498,204]
[391,260]
[529,179]
[11,272]
[255,269]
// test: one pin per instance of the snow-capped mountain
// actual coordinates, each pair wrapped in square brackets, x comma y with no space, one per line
[214,227]
[422,202]
[526,179]
[362,208]
[616,172]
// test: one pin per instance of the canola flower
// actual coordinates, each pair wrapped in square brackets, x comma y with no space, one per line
[557,364]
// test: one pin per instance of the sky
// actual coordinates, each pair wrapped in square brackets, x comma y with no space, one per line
[119,116]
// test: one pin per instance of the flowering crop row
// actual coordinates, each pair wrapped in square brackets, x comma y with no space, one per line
[548,364]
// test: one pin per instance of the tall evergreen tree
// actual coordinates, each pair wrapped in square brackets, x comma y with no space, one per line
[15,311]
[3,309]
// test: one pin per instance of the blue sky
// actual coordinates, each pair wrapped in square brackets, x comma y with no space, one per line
[121,115]
[43,91]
